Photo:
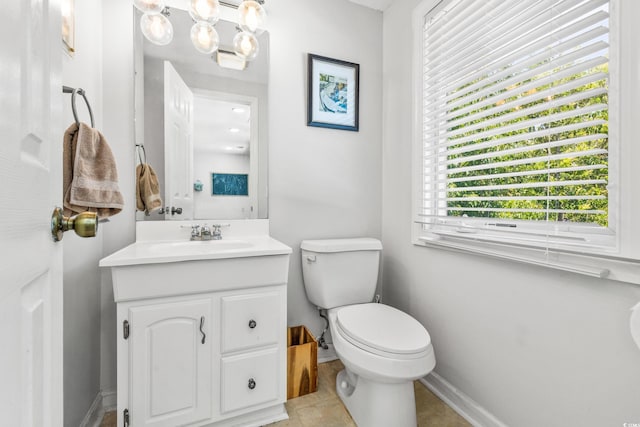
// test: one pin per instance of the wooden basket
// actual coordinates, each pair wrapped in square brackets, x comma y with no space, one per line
[302,362]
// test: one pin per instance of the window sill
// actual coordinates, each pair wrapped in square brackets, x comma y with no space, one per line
[599,266]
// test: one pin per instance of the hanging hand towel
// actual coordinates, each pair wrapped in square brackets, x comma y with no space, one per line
[147,189]
[90,177]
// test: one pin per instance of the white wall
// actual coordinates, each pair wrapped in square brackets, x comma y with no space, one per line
[81,256]
[532,346]
[117,83]
[323,183]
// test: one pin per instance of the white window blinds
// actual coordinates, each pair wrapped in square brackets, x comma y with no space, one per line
[515,115]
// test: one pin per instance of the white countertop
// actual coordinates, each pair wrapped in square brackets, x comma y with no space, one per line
[163,251]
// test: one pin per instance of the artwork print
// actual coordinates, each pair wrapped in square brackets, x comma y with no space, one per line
[333,93]
[230,184]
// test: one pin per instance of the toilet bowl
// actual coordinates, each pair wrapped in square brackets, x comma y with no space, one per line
[382,348]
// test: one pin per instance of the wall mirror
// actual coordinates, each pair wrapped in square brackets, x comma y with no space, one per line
[203,126]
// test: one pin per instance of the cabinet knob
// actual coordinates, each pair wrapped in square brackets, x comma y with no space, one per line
[252,323]
[252,383]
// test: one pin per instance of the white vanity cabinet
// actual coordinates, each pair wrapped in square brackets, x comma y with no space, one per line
[201,342]
[195,360]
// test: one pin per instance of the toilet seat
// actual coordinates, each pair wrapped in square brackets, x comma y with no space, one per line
[383,330]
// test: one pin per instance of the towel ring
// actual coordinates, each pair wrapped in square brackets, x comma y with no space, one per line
[80,91]
[141,151]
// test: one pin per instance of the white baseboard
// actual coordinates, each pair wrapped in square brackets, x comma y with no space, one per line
[105,401]
[109,400]
[326,355]
[466,407]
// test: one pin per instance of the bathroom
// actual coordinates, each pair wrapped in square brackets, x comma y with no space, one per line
[516,344]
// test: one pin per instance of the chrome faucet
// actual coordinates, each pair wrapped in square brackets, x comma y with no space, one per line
[205,234]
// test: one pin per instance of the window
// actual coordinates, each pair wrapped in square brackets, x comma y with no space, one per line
[516,155]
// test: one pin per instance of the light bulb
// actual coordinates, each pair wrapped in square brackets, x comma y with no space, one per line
[245,45]
[252,17]
[157,29]
[205,10]
[204,37]
[149,6]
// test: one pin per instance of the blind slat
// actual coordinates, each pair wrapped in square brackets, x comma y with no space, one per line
[544,184]
[545,132]
[549,171]
[506,164]
[526,149]
[563,211]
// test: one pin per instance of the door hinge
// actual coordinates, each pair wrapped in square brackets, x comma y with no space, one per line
[125,329]
[125,417]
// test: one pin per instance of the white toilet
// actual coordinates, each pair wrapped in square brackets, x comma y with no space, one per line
[383,349]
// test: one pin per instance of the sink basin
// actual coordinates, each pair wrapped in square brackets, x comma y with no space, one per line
[199,247]
[163,251]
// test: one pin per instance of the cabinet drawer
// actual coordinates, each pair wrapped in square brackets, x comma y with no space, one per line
[249,379]
[250,320]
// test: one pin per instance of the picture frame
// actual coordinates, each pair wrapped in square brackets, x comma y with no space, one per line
[68,26]
[229,184]
[333,93]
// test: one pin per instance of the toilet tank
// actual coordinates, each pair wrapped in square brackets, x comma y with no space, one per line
[340,272]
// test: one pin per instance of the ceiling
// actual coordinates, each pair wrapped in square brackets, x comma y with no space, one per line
[374,4]
[213,121]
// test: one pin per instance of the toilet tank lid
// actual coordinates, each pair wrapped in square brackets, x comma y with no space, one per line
[342,245]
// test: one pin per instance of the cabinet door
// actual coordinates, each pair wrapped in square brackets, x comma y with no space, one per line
[170,365]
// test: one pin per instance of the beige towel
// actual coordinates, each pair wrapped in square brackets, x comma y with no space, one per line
[147,189]
[90,177]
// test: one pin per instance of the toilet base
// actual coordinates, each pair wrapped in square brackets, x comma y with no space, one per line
[377,404]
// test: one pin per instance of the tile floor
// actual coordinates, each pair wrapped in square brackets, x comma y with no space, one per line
[324,408]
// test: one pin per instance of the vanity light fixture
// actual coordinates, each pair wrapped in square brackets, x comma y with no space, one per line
[230,60]
[149,6]
[157,28]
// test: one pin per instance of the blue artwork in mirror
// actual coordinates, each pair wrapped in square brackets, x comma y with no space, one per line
[230,184]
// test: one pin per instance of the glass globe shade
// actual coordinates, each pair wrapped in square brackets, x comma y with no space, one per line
[204,10]
[252,17]
[204,37]
[245,45]
[157,29]
[149,6]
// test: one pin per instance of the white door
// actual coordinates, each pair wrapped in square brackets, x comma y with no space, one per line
[178,143]
[30,187]
[171,363]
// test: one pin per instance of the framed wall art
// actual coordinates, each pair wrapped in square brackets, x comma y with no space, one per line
[229,184]
[333,93]
[68,26]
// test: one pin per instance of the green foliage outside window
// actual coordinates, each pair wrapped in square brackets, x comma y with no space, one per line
[590,167]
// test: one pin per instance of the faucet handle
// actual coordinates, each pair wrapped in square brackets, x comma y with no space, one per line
[195,230]
[216,233]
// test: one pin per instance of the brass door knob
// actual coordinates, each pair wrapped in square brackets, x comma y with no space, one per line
[84,224]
